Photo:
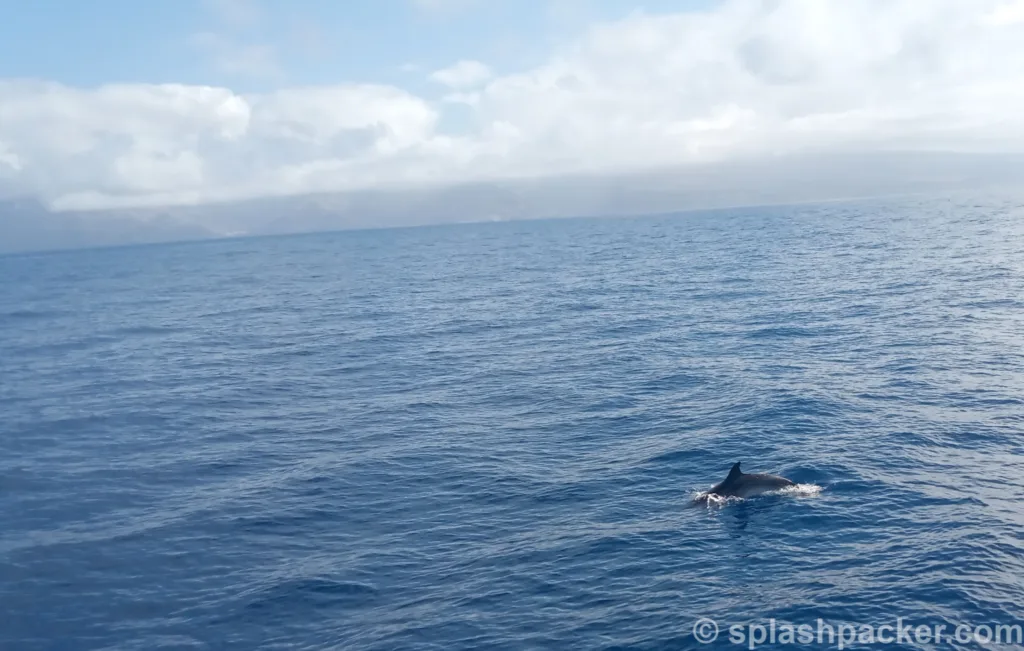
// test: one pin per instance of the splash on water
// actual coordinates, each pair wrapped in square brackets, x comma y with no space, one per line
[800,490]
[712,500]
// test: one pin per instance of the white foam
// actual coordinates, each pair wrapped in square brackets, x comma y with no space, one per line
[717,501]
[800,490]
[714,501]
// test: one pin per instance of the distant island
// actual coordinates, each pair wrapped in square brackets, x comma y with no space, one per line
[27,224]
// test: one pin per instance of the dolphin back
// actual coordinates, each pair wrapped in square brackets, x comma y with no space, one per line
[741,484]
[768,480]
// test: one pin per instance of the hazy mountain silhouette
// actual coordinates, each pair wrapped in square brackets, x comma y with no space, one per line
[25,224]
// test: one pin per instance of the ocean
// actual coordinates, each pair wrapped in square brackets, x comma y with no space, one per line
[488,436]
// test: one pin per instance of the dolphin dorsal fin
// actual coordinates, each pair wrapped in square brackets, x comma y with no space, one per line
[735,472]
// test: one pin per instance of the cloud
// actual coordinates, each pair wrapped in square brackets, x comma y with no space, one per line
[463,74]
[8,159]
[1009,13]
[139,144]
[740,80]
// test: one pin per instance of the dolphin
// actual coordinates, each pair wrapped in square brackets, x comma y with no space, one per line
[741,484]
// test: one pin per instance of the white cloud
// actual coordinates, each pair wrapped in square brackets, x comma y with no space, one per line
[742,79]
[1009,13]
[8,159]
[463,74]
[126,144]
[470,99]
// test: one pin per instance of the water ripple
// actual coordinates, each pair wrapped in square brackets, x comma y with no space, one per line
[488,436]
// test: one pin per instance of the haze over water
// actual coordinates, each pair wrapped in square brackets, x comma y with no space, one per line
[487,435]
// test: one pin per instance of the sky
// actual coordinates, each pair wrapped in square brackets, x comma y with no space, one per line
[120,103]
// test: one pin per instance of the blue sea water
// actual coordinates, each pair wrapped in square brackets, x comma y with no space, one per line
[487,436]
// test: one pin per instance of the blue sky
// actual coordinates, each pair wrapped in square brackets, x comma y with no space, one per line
[108,103]
[252,45]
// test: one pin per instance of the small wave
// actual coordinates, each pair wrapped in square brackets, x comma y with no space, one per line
[582,306]
[781,332]
[314,592]
[29,314]
[144,330]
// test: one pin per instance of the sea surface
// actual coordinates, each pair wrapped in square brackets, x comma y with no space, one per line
[488,436]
